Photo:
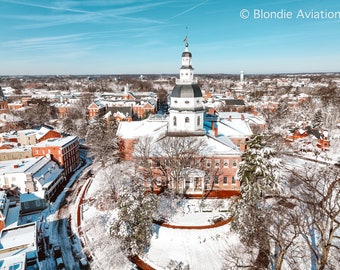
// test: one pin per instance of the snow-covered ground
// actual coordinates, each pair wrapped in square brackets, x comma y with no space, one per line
[198,248]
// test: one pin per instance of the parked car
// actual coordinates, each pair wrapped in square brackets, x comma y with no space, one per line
[60,263]
[57,251]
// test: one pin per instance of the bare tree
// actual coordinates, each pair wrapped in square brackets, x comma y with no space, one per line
[177,153]
[142,155]
[317,191]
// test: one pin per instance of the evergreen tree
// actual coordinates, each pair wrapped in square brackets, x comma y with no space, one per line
[258,171]
[317,120]
[258,174]
[102,140]
[133,225]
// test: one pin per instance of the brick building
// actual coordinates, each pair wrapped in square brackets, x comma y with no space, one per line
[65,151]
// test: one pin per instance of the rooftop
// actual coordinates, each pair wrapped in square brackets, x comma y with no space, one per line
[61,142]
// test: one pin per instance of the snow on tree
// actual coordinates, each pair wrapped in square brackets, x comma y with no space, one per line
[142,156]
[258,171]
[133,225]
[108,180]
[259,177]
[176,154]
[317,121]
[103,196]
[102,245]
[102,139]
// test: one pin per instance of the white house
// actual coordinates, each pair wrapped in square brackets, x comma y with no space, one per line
[37,174]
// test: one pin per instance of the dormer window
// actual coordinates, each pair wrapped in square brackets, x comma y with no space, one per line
[187,120]
[187,102]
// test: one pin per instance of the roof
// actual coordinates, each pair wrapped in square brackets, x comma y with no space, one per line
[235,128]
[60,142]
[47,174]
[235,102]
[216,146]
[18,240]
[9,118]
[186,91]
[137,129]
[186,54]
[20,166]
[32,196]
[42,132]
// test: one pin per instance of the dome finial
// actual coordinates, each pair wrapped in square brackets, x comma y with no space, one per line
[186,39]
[186,42]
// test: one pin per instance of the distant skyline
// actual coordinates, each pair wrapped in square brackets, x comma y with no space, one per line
[146,37]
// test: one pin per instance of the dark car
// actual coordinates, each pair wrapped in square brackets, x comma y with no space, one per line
[57,252]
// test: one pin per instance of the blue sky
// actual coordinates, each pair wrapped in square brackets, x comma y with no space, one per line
[143,37]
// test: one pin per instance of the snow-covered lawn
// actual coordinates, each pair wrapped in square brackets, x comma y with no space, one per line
[196,248]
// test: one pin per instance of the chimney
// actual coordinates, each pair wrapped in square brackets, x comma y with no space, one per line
[230,118]
[216,131]
[15,166]
[214,128]
[242,116]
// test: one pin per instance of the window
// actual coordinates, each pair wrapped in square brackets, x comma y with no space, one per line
[198,120]
[226,163]
[234,163]
[216,180]
[217,163]
[37,203]
[26,205]
[186,102]
[233,180]
[225,180]
[207,163]
[186,119]
[174,121]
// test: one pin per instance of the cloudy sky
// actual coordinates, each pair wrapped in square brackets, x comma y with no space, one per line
[43,37]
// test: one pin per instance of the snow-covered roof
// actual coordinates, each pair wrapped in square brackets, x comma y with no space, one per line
[61,142]
[47,174]
[16,149]
[137,129]
[42,132]
[15,241]
[27,132]
[219,146]
[19,166]
[5,117]
[247,116]
[32,196]
[235,128]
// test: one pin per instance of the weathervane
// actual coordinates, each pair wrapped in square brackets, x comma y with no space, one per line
[186,38]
